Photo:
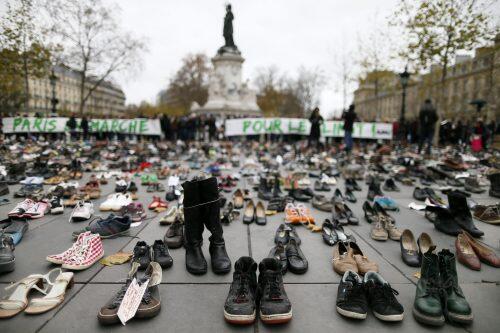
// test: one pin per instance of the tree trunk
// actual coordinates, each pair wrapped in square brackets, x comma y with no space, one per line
[26,84]
[82,91]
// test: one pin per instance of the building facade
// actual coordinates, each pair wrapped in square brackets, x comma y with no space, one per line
[106,100]
[469,79]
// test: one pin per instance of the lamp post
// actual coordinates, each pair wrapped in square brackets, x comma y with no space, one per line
[53,101]
[404,78]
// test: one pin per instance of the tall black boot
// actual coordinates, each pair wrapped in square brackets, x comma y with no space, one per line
[210,210]
[193,225]
[495,185]
[460,210]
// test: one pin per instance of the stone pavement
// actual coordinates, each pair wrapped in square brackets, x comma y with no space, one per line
[194,303]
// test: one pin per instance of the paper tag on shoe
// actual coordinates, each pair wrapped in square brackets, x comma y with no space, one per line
[131,300]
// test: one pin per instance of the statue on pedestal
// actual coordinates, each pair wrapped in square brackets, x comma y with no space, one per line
[229,45]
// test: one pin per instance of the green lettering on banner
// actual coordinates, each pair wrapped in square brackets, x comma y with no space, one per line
[246,125]
[51,125]
[104,126]
[291,128]
[37,123]
[143,126]
[122,127]
[268,126]
[94,126]
[358,127]
[324,129]
[26,125]
[15,123]
[114,125]
[277,126]
[132,126]
[257,126]
[374,130]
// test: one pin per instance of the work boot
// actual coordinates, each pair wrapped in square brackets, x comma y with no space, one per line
[444,220]
[427,307]
[210,211]
[495,185]
[455,305]
[460,211]
[193,229]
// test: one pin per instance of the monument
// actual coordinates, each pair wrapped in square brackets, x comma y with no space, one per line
[228,95]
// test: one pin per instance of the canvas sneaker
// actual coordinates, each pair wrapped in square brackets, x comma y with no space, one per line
[109,203]
[112,226]
[21,208]
[382,298]
[86,255]
[38,210]
[82,211]
[351,297]
[59,258]
[56,205]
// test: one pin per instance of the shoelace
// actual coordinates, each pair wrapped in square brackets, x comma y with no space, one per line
[80,254]
[242,290]
[274,287]
[117,300]
[385,293]
[355,291]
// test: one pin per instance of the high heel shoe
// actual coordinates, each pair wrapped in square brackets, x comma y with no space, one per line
[63,282]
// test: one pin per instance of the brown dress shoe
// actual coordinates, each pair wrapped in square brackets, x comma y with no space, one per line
[485,254]
[238,199]
[488,214]
[343,260]
[364,264]
[466,254]
[378,231]
[393,232]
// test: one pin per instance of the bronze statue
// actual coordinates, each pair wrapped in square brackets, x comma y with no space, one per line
[229,45]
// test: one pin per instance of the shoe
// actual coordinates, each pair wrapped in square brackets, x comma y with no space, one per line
[457,308]
[471,184]
[427,308]
[378,231]
[381,298]
[264,191]
[465,253]
[297,262]
[54,297]
[351,298]
[4,188]
[334,232]
[279,253]
[161,254]
[274,305]
[170,216]
[494,185]
[322,203]
[425,244]
[82,211]
[238,199]
[373,191]
[56,206]
[343,260]
[89,252]
[461,214]
[260,214]
[141,255]
[121,186]
[240,305]
[174,237]
[300,195]
[390,186]
[38,210]
[16,230]
[371,215]
[7,258]
[249,212]
[59,259]
[282,234]
[393,232]
[349,196]
[485,254]
[444,220]
[352,183]
[489,214]
[135,211]
[110,227]
[363,263]
[409,249]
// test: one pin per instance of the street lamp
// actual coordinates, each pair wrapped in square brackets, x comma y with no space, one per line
[404,78]
[53,101]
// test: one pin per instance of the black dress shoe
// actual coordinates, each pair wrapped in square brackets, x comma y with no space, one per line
[249,213]
[349,196]
[299,195]
[282,234]
[161,254]
[278,252]
[338,195]
[460,211]
[297,262]
[370,213]
[409,249]
[329,235]
[444,220]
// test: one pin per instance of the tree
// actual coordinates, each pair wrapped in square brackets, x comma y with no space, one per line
[93,42]
[308,87]
[12,95]
[270,91]
[25,53]
[190,83]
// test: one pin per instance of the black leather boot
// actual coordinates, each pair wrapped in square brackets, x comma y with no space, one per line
[495,185]
[444,220]
[461,213]
[210,210]
[193,229]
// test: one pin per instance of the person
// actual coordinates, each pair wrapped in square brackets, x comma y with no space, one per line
[316,121]
[71,123]
[84,124]
[427,119]
[349,118]
[212,128]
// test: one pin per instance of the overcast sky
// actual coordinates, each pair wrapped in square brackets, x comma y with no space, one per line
[285,33]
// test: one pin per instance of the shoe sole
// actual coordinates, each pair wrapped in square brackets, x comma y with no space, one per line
[57,211]
[461,319]
[434,321]
[149,312]
[79,218]
[196,272]
[82,267]
[126,232]
[8,266]
[108,319]
[382,239]
[54,261]
[350,314]
[273,319]
[398,317]
[239,319]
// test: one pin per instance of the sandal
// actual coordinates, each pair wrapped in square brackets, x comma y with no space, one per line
[55,296]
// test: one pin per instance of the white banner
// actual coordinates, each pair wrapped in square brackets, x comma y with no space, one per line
[140,126]
[256,126]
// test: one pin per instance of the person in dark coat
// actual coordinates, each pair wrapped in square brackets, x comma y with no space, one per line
[316,121]
[349,118]
[427,119]
[84,124]
[71,123]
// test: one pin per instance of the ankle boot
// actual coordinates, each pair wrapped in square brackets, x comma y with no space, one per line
[460,211]
[264,190]
[427,307]
[276,188]
[193,229]
[495,185]
[456,308]
[210,210]
[444,220]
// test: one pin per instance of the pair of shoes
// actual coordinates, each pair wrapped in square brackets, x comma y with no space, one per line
[438,295]
[56,205]
[155,187]
[18,301]
[352,185]
[85,251]
[321,186]
[356,294]
[136,211]
[227,183]
[82,211]
[342,213]
[334,232]
[373,191]
[147,179]
[158,205]
[109,227]
[30,209]
[287,250]
[298,214]
[228,215]
[246,294]
[7,258]
[174,237]
[322,203]
[422,194]
[471,184]
[150,304]
[471,252]
[411,251]
[14,229]
[300,194]
[238,199]
[349,257]
[115,202]
[143,254]
[349,196]
[386,203]
[265,191]
[254,213]
[390,186]
[278,204]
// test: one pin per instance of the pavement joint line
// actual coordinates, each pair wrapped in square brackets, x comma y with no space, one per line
[87,283]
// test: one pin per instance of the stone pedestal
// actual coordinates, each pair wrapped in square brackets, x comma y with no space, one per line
[227,94]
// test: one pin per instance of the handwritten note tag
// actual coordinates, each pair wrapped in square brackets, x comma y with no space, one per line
[131,300]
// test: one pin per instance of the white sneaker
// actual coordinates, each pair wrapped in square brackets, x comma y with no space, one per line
[110,202]
[121,201]
[82,211]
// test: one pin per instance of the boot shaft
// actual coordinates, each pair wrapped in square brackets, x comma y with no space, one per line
[447,267]
[458,203]
[430,266]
